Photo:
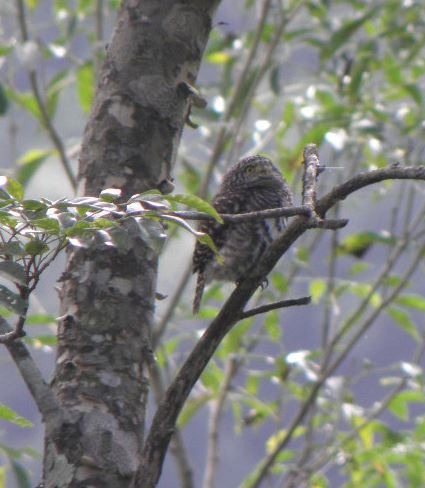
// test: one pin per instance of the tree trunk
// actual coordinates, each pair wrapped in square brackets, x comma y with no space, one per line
[108,293]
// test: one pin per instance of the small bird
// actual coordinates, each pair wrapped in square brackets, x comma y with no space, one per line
[252,184]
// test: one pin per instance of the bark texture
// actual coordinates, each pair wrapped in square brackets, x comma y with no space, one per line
[108,293]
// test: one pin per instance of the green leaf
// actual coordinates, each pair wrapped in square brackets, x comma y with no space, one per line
[85,86]
[358,268]
[13,271]
[15,189]
[41,340]
[34,205]
[416,302]
[399,405]
[252,384]
[32,4]
[9,415]
[362,290]
[218,57]
[36,246]
[12,248]
[414,92]
[212,377]
[192,406]
[49,224]
[402,319]
[393,71]
[195,202]
[40,319]
[53,92]
[166,351]
[26,101]
[316,289]
[235,339]
[302,254]
[29,163]
[207,241]
[342,35]
[358,244]
[272,326]
[7,220]
[12,301]
[279,282]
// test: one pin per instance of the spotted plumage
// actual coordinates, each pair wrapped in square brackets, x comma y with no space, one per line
[252,184]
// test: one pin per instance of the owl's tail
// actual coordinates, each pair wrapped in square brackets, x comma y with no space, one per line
[200,284]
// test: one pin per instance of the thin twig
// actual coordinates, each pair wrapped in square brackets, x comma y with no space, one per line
[348,323]
[235,96]
[177,447]
[243,217]
[215,416]
[47,123]
[260,71]
[15,333]
[273,306]
[162,324]
[305,407]
[327,456]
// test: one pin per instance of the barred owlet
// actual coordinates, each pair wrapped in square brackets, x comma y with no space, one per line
[252,184]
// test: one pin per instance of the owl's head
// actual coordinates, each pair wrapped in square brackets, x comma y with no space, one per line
[253,172]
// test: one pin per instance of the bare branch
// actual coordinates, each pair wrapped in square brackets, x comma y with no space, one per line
[177,446]
[394,172]
[273,306]
[15,333]
[216,412]
[39,389]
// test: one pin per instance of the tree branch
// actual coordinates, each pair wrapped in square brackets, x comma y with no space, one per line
[273,306]
[165,418]
[15,333]
[394,172]
[244,217]
[42,394]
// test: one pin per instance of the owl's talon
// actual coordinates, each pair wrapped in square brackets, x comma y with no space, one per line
[264,284]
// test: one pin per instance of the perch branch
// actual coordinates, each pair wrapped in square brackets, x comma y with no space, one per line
[164,421]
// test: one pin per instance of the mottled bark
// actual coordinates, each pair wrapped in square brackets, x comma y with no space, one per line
[108,293]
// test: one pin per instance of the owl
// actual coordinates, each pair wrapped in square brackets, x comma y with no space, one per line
[252,184]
